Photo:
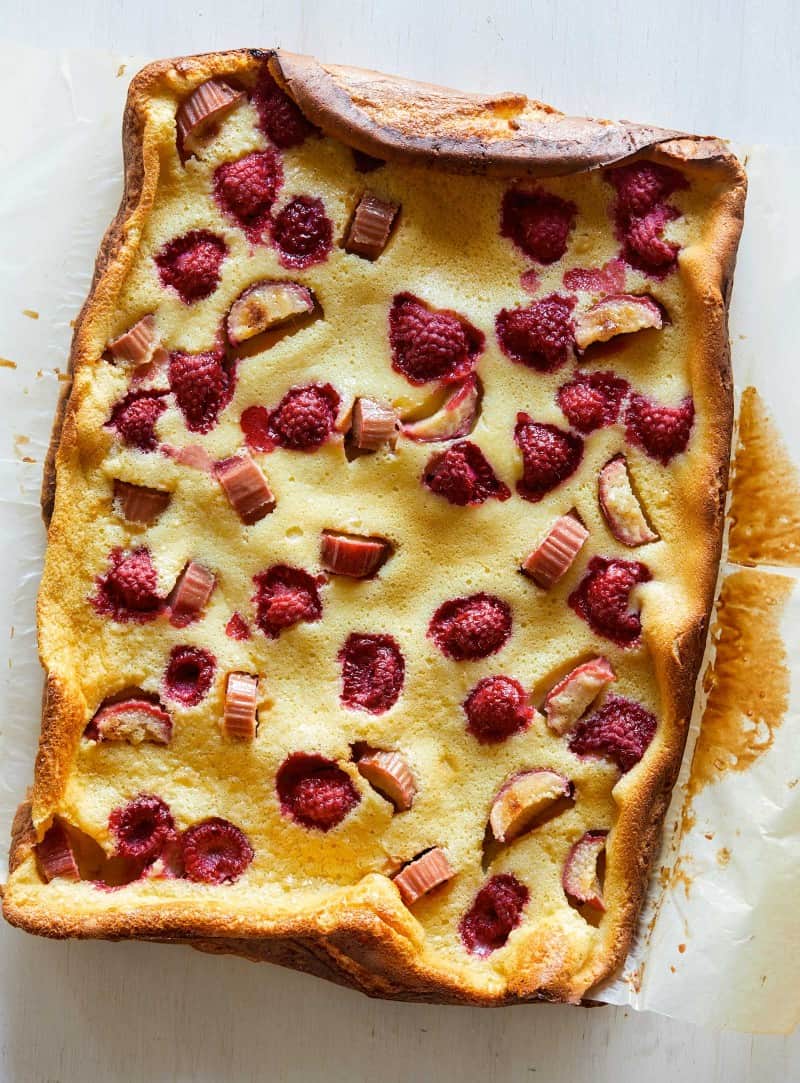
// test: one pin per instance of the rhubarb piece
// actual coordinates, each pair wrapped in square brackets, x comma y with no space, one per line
[495,913]
[619,314]
[246,189]
[523,798]
[132,720]
[205,106]
[592,400]
[540,336]
[620,730]
[241,694]
[621,509]
[352,554]
[575,693]
[455,418]
[371,225]
[390,774]
[265,305]
[245,487]
[555,554]
[189,674]
[538,223]
[463,475]
[191,455]
[191,593]
[137,345]
[134,417]
[602,599]
[152,378]
[663,431]
[373,425]
[191,264]
[215,851]
[580,877]
[314,791]
[431,344]
[423,874]
[202,385]
[549,457]
[302,233]
[138,503]
[129,589]
[373,671]
[285,596]
[142,827]
[496,709]
[278,116]
[303,420]
[55,854]
[466,629]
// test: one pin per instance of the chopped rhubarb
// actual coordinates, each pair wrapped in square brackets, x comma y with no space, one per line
[132,720]
[353,555]
[265,305]
[567,701]
[241,696]
[192,455]
[580,877]
[205,105]
[137,346]
[389,773]
[154,376]
[555,555]
[423,874]
[523,798]
[245,487]
[191,593]
[455,418]
[620,314]
[55,854]
[371,225]
[138,504]
[373,425]
[620,506]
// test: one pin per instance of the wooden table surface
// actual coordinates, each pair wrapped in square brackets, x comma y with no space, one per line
[106,1012]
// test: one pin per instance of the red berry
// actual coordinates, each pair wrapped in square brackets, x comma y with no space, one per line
[465,629]
[142,827]
[315,791]
[134,418]
[497,910]
[641,186]
[620,729]
[302,421]
[592,400]
[431,344]
[663,431]
[602,598]
[191,264]
[246,190]
[278,117]
[644,246]
[129,590]
[549,456]
[303,232]
[497,708]
[373,671]
[237,628]
[189,674]
[538,223]
[202,387]
[610,278]
[284,596]
[215,851]
[462,475]
[540,336]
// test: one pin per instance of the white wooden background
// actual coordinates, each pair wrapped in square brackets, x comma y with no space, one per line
[75,1012]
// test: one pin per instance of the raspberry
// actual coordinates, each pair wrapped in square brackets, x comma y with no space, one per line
[189,674]
[463,476]
[431,344]
[278,117]
[373,671]
[142,827]
[284,596]
[303,232]
[129,590]
[540,336]
[592,400]
[663,431]
[215,851]
[497,910]
[237,628]
[202,387]
[610,278]
[642,185]
[601,598]
[190,264]
[549,456]
[538,223]
[302,421]
[315,791]
[497,708]
[644,246]
[469,628]
[134,418]
[621,730]
[246,190]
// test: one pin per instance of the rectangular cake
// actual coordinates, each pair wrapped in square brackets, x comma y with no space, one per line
[385,510]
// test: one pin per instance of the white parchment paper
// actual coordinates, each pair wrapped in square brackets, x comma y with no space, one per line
[720,944]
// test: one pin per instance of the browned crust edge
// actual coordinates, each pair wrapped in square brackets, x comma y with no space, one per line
[366,950]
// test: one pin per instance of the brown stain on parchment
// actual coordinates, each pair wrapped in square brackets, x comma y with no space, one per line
[765,492]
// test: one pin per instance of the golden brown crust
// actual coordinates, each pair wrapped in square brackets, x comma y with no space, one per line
[365,938]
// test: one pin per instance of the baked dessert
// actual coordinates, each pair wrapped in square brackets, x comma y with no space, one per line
[385,513]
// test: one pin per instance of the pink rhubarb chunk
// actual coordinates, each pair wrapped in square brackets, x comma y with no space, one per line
[138,504]
[353,555]
[456,417]
[371,225]
[208,103]
[265,305]
[137,346]
[389,773]
[621,507]
[423,874]
[580,877]
[191,593]
[373,425]
[131,720]
[245,487]
[241,696]
[554,556]
[621,314]
[523,798]
[55,854]
[568,700]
